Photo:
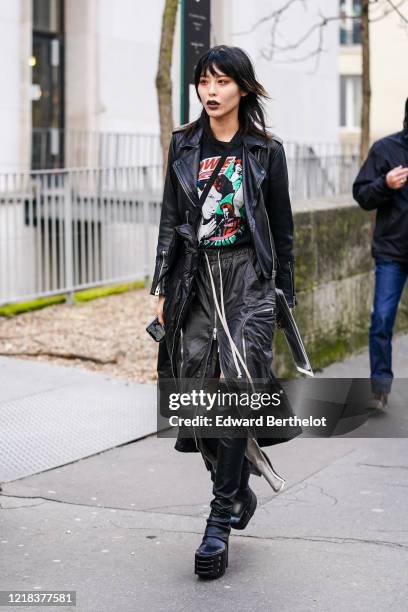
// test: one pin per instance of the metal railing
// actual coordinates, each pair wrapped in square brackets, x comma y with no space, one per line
[321,170]
[71,229]
[74,229]
[55,148]
[315,170]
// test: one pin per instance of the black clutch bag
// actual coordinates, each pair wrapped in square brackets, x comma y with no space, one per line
[292,335]
[156,330]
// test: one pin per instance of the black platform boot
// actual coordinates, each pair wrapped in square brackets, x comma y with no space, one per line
[211,558]
[245,501]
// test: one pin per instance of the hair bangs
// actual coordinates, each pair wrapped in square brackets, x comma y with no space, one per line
[214,61]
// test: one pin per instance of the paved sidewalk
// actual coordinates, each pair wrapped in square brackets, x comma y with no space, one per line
[358,366]
[121,527]
[54,415]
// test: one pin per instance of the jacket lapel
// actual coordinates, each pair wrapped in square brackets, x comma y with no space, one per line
[187,165]
[186,168]
[254,173]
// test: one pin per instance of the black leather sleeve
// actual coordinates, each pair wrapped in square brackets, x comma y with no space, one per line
[281,223]
[370,189]
[169,218]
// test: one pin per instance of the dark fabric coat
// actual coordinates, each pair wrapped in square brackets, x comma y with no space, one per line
[268,209]
[370,190]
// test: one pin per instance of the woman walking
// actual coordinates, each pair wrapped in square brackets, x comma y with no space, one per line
[225,244]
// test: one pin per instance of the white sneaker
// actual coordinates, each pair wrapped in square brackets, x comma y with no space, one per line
[378,401]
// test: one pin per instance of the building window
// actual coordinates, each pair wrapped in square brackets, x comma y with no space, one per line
[47,15]
[350,29]
[47,87]
[350,101]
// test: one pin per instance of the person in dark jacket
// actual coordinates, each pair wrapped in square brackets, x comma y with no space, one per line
[224,245]
[381,185]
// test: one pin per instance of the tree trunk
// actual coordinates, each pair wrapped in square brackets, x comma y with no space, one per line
[365,109]
[163,77]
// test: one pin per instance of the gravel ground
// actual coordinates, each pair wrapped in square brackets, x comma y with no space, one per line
[105,335]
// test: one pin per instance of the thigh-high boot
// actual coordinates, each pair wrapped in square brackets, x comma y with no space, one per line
[211,557]
[245,501]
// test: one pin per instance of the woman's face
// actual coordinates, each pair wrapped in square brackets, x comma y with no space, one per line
[222,91]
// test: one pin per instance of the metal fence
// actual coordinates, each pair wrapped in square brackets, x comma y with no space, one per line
[66,230]
[320,170]
[315,169]
[74,229]
[55,148]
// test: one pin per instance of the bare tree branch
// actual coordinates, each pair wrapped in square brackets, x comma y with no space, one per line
[274,48]
[293,60]
[396,9]
[317,26]
[388,9]
[269,53]
[274,15]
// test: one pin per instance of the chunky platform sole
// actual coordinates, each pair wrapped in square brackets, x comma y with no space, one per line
[211,566]
[247,514]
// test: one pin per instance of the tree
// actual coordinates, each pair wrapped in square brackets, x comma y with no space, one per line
[274,48]
[163,77]
[366,83]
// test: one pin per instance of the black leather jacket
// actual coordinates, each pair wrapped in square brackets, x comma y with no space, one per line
[370,190]
[266,197]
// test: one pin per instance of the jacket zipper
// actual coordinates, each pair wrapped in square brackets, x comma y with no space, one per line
[157,291]
[182,352]
[271,308]
[182,183]
[267,219]
[270,241]
[252,225]
[174,339]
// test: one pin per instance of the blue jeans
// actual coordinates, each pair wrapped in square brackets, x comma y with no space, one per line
[390,277]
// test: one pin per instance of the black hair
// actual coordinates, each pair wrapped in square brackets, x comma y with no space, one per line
[406,116]
[235,63]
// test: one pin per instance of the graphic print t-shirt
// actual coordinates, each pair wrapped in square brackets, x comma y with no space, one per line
[223,222]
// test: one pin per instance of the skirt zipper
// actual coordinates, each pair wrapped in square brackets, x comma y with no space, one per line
[174,339]
[215,327]
[271,308]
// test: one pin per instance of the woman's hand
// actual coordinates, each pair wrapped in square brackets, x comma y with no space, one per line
[159,309]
